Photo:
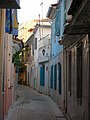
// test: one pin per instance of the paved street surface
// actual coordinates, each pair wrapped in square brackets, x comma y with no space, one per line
[32,105]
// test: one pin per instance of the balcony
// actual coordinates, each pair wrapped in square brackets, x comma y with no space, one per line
[11,4]
[45,41]
[43,59]
[44,54]
[80,23]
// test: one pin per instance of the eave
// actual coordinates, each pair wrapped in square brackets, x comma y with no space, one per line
[9,4]
[79,25]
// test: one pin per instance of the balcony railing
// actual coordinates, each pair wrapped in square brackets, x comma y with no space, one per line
[43,59]
[44,41]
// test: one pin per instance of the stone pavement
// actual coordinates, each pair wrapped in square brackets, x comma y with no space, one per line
[32,105]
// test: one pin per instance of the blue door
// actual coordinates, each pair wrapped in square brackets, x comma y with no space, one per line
[51,78]
[42,75]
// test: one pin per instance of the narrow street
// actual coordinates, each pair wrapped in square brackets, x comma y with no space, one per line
[31,105]
[45,60]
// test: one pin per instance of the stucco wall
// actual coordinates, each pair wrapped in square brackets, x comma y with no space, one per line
[59,99]
[75,109]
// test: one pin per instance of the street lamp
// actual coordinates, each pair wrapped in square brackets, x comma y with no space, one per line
[43,52]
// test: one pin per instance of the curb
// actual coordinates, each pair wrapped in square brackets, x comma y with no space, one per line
[55,111]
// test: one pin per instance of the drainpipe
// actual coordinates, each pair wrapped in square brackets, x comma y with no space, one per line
[2,31]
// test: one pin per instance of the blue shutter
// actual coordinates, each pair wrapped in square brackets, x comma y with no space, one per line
[51,81]
[59,77]
[57,22]
[55,77]
[8,24]
[42,76]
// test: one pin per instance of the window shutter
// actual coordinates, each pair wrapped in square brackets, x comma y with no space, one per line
[57,22]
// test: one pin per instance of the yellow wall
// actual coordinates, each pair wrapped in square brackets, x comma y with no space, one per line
[23,32]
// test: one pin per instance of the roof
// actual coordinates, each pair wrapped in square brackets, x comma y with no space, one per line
[29,39]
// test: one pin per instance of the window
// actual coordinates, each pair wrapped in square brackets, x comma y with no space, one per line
[69,72]
[79,73]
[35,43]
[32,50]
[55,76]
[59,78]
[57,22]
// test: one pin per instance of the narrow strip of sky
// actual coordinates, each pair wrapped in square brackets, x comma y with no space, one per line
[30,9]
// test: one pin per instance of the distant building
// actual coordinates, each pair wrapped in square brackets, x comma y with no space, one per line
[35,56]
[26,29]
[41,53]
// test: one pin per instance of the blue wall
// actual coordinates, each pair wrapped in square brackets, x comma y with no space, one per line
[56,48]
[57,30]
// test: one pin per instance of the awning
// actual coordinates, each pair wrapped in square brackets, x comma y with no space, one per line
[12,4]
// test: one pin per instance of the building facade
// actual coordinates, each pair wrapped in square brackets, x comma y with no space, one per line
[41,44]
[3,53]
[44,52]
[29,59]
[76,42]
[26,29]
[56,14]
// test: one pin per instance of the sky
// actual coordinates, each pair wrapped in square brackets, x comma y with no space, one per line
[30,9]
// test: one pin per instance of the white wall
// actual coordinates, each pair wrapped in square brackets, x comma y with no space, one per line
[37,54]
[55,93]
